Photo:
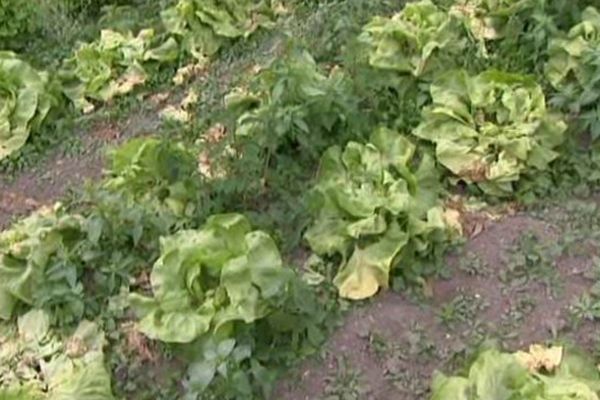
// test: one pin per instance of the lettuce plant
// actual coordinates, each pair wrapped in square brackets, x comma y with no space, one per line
[488,19]
[376,206]
[563,375]
[419,40]
[36,363]
[298,105]
[574,71]
[490,129]
[38,266]
[203,26]
[208,279]
[111,66]
[157,173]
[25,100]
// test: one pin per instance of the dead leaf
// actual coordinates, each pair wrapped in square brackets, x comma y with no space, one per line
[159,98]
[173,113]
[215,133]
[189,71]
[452,218]
[190,99]
[128,82]
[540,358]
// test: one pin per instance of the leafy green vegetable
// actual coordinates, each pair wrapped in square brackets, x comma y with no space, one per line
[37,363]
[510,35]
[490,129]
[79,374]
[573,71]
[207,279]
[25,101]
[203,26]
[420,40]
[496,375]
[489,19]
[16,19]
[38,266]
[153,170]
[298,105]
[111,66]
[376,206]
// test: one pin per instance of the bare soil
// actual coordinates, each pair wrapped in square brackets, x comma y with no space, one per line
[52,179]
[390,348]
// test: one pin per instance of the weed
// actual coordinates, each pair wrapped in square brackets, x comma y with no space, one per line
[472,264]
[532,260]
[463,308]
[345,384]
[585,308]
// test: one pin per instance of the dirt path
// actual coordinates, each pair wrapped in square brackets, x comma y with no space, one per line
[51,180]
[516,283]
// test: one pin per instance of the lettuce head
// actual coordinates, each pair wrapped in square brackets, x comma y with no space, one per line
[490,129]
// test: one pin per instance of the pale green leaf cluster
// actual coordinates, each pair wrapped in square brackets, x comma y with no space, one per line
[203,26]
[152,170]
[488,19]
[571,57]
[36,267]
[490,129]
[36,363]
[25,101]
[301,105]
[574,72]
[419,40]
[207,279]
[496,375]
[111,66]
[376,206]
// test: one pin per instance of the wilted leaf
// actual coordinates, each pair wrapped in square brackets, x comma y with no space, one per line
[540,358]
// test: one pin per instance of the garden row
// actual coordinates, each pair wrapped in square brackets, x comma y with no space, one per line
[478,98]
[115,63]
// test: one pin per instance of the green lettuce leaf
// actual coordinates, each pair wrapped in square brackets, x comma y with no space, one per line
[569,56]
[203,26]
[207,279]
[158,173]
[572,69]
[490,129]
[37,362]
[376,206]
[419,40]
[111,66]
[25,101]
[80,374]
[496,375]
[36,264]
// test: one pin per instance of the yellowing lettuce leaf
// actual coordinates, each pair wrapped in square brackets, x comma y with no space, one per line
[377,207]
[497,375]
[111,66]
[540,358]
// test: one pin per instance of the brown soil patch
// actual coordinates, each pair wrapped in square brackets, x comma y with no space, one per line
[394,344]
